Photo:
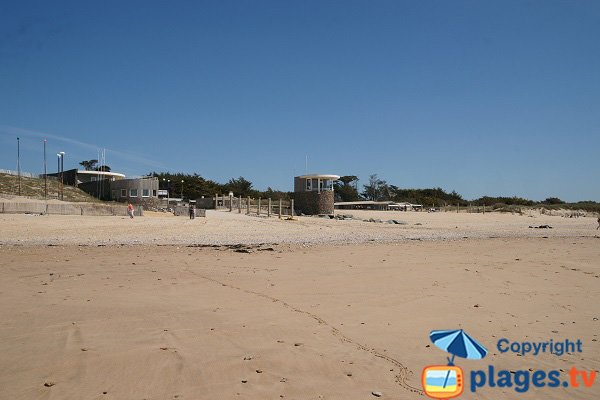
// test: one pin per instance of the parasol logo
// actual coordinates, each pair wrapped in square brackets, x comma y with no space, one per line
[447,381]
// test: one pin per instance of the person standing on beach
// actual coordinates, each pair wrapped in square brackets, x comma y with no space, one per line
[598,227]
[130,210]
[192,211]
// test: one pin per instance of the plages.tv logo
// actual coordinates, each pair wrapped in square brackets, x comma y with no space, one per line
[447,381]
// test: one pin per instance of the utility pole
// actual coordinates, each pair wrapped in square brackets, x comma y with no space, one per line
[58,174]
[19,163]
[61,166]
[45,173]
[62,174]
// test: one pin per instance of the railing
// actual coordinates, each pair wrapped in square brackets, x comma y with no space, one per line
[250,206]
[16,173]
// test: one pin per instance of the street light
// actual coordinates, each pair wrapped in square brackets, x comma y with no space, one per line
[59,174]
[45,173]
[62,173]
[168,185]
[182,190]
[19,163]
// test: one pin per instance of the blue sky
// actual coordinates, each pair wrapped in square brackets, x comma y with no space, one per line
[481,97]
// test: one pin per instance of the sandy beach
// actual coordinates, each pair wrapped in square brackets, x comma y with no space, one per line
[224,228]
[299,200]
[112,308]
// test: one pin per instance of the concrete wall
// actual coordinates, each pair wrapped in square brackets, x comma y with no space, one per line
[63,209]
[99,189]
[101,210]
[8,207]
[206,203]
[149,184]
[22,208]
[183,211]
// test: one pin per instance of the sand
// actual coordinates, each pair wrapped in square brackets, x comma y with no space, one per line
[306,318]
[233,228]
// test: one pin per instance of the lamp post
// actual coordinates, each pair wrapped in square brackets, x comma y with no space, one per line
[62,173]
[19,163]
[58,174]
[45,173]
[182,190]
[168,185]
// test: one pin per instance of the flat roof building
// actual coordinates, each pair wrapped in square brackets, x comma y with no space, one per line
[112,185]
[137,190]
[313,194]
[75,177]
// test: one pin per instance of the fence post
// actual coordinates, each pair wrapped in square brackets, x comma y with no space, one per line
[280,204]
[248,205]
[230,203]
[292,212]
[484,208]
[258,208]
[216,201]
[457,207]
[240,205]
[269,209]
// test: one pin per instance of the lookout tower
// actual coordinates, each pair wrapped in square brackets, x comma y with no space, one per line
[313,194]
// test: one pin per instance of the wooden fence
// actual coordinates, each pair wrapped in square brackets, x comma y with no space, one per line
[465,209]
[260,206]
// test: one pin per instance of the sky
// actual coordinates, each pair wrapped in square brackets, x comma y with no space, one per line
[498,98]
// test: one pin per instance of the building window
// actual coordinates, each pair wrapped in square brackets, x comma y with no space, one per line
[123,192]
[145,192]
[154,193]
[133,193]
[308,185]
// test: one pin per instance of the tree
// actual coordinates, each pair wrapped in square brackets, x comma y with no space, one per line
[104,168]
[348,179]
[274,194]
[345,188]
[553,200]
[89,165]
[240,186]
[377,189]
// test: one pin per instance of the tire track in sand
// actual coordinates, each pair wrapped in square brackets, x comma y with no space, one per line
[401,377]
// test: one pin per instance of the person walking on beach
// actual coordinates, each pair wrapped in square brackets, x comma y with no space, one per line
[598,227]
[130,210]
[192,211]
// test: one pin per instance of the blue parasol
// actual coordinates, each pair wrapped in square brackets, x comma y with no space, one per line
[457,343]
